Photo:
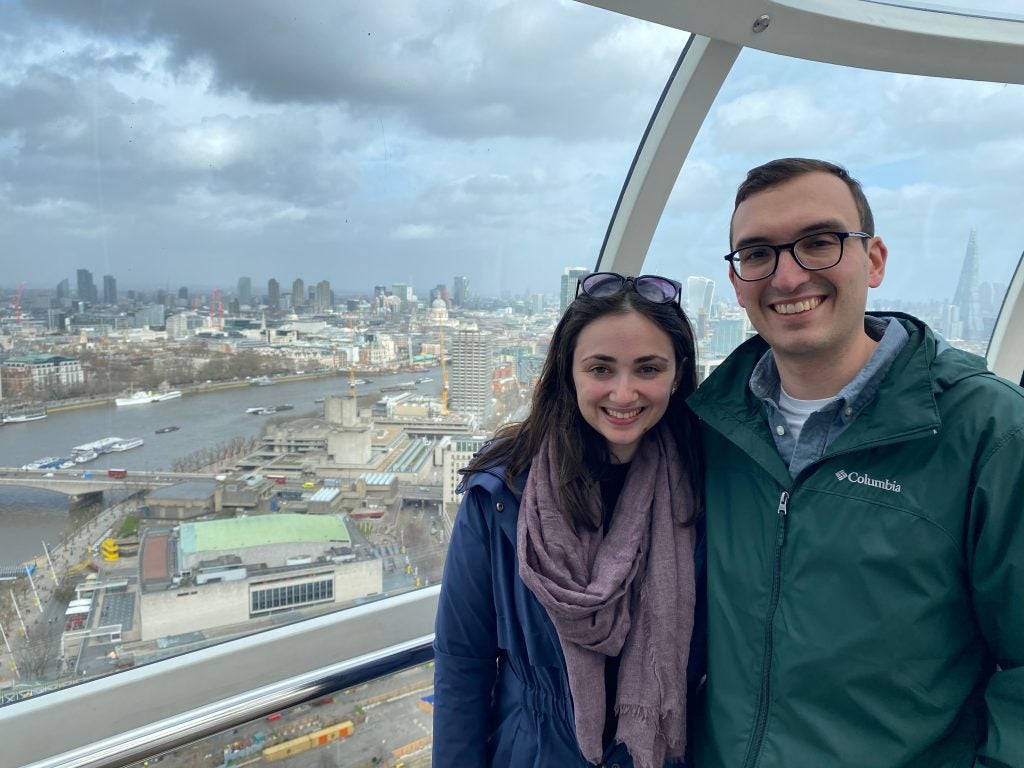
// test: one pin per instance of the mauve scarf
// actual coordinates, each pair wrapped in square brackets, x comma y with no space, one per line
[630,592]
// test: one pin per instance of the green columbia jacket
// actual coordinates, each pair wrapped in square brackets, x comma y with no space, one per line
[869,613]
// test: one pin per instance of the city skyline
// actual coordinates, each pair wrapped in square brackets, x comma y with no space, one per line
[146,143]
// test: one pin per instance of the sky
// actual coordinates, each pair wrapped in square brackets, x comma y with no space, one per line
[189,143]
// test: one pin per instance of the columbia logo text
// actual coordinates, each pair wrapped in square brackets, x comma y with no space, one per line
[863,479]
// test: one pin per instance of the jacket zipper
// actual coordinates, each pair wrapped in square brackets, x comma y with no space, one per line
[761,722]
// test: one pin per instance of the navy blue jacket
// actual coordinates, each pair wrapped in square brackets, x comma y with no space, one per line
[501,692]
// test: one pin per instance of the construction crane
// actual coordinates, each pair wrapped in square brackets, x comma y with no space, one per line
[444,377]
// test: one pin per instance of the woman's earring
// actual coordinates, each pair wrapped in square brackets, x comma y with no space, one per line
[673,391]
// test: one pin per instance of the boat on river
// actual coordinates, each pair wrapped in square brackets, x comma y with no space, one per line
[99,446]
[127,445]
[144,396]
[22,415]
[44,463]
[165,430]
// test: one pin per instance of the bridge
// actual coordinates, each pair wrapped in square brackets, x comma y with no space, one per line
[73,483]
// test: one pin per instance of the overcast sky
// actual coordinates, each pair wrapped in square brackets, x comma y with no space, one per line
[192,142]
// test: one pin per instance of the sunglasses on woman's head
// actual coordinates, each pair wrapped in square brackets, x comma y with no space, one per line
[660,290]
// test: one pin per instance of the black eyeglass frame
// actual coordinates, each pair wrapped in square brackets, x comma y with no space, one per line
[625,281]
[791,247]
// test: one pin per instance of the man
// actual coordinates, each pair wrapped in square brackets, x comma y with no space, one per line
[864,503]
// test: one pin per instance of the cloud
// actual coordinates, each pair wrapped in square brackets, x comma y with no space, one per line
[368,142]
[416,232]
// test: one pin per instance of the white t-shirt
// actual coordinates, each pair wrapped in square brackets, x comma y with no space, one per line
[796,411]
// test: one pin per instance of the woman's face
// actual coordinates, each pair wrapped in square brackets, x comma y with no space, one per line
[624,370]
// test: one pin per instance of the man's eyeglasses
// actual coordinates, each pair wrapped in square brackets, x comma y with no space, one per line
[813,252]
[660,290]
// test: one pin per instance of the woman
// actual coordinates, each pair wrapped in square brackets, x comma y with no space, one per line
[566,612]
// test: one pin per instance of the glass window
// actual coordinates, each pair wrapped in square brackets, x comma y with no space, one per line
[269,273]
[940,161]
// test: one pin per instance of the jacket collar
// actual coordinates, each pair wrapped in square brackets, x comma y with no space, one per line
[505,503]
[725,403]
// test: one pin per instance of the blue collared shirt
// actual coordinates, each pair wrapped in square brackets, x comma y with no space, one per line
[826,424]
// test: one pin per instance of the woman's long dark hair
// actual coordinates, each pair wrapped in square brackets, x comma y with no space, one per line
[578,448]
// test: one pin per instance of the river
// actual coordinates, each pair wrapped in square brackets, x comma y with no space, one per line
[28,517]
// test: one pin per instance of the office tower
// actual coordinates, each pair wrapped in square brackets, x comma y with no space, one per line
[972,327]
[460,291]
[470,390]
[570,276]
[323,300]
[700,293]
[403,292]
[109,289]
[86,287]
[56,319]
[63,290]
[151,316]
[298,293]
[177,326]
[537,303]
[273,294]
[244,292]
[183,293]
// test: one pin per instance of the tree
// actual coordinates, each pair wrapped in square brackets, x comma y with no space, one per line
[35,655]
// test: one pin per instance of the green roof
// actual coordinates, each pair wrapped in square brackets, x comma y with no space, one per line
[261,530]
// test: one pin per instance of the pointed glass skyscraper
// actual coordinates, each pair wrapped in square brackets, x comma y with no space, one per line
[966,298]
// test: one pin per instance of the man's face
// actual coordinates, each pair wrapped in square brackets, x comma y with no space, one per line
[809,316]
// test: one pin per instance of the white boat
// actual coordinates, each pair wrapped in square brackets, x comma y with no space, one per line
[126,445]
[17,417]
[99,446]
[49,461]
[81,457]
[141,397]
[261,381]
[172,395]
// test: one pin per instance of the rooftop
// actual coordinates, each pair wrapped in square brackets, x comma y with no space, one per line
[261,530]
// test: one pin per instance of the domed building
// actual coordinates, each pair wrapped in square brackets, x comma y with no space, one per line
[438,313]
